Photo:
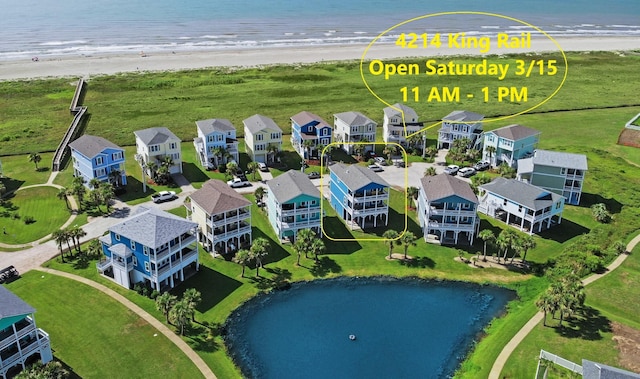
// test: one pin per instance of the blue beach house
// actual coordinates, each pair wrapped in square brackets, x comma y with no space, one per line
[309,132]
[508,144]
[152,246]
[212,134]
[95,157]
[293,203]
[22,343]
[359,195]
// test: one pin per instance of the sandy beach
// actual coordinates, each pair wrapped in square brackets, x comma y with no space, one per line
[88,66]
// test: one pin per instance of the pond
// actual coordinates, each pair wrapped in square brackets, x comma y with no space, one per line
[362,328]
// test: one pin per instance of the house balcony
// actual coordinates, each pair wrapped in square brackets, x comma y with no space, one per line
[450,226]
[104,264]
[369,197]
[572,188]
[28,345]
[368,211]
[299,210]
[436,211]
[188,255]
[162,254]
[229,233]
[220,221]
[283,225]
[23,327]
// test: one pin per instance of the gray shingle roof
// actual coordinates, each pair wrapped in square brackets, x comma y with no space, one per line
[258,122]
[559,159]
[153,227]
[354,118]
[593,370]
[394,111]
[304,118]
[290,185]
[217,197]
[515,132]
[155,136]
[221,125]
[463,116]
[443,185]
[11,305]
[90,146]
[528,195]
[356,177]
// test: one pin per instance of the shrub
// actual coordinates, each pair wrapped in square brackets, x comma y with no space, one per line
[28,220]
[222,167]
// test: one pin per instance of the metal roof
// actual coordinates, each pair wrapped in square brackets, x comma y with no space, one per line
[528,195]
[442,186]
[90,146]
[463,116]
[290,185]
[356,176]
[352,118]
[258,122]
[155,136]
[217,197]
[515,132]
[11,305]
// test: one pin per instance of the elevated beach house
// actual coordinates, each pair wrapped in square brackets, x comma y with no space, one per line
[22,343]
[354,127]
[151,246]
[154,145]
[559,172]
[262,138]
[447,208]
[522,205]
[97,158]
[395,128]
[216,142]
[309,134]
[223,216]
[359,196]
[293,203]
[460,124]
[508,144]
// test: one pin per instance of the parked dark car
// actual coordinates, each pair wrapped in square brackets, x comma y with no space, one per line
[314,175]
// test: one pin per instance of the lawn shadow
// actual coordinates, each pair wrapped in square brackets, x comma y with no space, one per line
[200,338]
[11,184]
[204,281]
[589,199]
[276,251]
[325,266]
[564,232]
[418,262]
[279,279]
[193,173]
[586,324]
[133,190]
[338,238]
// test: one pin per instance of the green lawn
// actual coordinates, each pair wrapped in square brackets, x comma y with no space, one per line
[40,203]
[19,172]
[96,336]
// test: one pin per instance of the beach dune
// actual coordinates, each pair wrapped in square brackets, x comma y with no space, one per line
[87,66]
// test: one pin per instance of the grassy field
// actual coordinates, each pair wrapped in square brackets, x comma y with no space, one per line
[585,117]
[41,203]
[96,336]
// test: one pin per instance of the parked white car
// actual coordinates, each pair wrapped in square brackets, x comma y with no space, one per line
[163,196]
[466,172]
[451,169]
[238,183]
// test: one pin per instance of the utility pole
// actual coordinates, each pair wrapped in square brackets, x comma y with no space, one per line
[143,166]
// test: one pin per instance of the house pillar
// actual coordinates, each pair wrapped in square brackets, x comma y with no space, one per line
[522,223]
[171,280]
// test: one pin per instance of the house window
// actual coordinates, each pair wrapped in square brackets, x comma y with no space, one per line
[146,266]
[219,137]
[466,205]
[354,129]
[303,216]
[175,156]
[154,148]
[117,237]
[504,202]
[260,147]
[99,161]
[135,260]
[370,128]
[133,244]
[173,145]
[116,156]
[209,138]
[313,202]
[100,172]
[145,250]
[520,208]
[275,135]
[563,171]
[259,137]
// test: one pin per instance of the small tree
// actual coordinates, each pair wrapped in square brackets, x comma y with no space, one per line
[242,257]
[390,238]
[317,247]
[259,193]
[38,370]
[487,236]
[62,195]
[252,167]
[259,251]
[601,213]
[179,314]
[164,303]
[192,298]
[408,239]
[106,195]
[35,158]
[302,244]
[430,171]
[60,237]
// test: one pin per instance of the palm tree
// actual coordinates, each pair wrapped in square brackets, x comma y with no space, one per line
[430,171]
[506,240]
[272,150]
[94,249]
[317,247]
[486,235]
[218,152]
[94,183]
[490,151]
[259,251]
[62,195]
[527,243]
[106,194]
[94,197]
[252,167]
[391,238]
[388,150]
[153,170]
[192,298]
[259,193]
[408,239]
[179,314]
[76,233]
[35,158]
[242,257]
[431,151]
[60,236]
[358,149]
[546,304]
[232,167]
[78,189]
[302,244]
[307,145]
[412,194]
[164,303]
[115,176]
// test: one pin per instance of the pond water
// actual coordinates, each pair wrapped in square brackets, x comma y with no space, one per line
[406,328]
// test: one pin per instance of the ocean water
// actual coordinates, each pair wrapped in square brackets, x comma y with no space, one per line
[80,27]
[402,328]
